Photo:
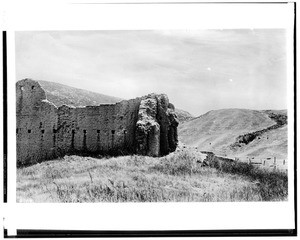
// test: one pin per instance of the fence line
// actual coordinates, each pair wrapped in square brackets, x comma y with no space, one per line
[272,163]
[269,162]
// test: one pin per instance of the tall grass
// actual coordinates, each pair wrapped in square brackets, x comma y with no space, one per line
[106,192]
[273,185]
[176,177]
[182,163]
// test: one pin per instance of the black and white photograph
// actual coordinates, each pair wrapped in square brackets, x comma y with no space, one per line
[152,116]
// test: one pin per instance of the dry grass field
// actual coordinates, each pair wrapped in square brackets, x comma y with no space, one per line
[177,177]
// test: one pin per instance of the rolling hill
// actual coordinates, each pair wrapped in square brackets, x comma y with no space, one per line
[224,131]
[217,131]
[183,116]
[60,94]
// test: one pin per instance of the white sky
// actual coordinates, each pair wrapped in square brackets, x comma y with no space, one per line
[200,70]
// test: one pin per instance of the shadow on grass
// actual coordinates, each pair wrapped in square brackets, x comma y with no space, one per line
[113,152]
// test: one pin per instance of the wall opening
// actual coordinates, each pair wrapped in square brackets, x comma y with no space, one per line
[112,138]
[72,140]
[29,130]
[125,132]
[98,140]
[84,140]
[54,138]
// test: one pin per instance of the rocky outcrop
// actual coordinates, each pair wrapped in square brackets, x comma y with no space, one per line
[146,126]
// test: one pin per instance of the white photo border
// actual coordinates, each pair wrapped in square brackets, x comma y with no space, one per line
[63,15]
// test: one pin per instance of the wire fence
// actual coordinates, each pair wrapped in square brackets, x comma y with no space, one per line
[272,163]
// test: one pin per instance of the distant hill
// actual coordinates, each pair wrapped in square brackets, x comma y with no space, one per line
[183,116]
[218,131]
[60,94]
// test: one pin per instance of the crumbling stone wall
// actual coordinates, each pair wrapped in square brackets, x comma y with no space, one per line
[146,126]
[156,132]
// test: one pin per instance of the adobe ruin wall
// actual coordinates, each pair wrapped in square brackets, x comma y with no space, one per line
[145,125]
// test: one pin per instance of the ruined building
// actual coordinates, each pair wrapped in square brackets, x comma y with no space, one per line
[145,125]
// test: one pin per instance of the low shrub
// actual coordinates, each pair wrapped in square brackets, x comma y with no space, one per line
[182,163]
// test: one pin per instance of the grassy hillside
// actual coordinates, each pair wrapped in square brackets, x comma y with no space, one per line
[60,94]
[183,116]
[271,144]
[216,130]
[177,177]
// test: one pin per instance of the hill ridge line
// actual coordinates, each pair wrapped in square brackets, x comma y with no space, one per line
[225,109]
[75,88]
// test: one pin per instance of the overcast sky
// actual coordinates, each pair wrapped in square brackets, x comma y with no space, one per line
[199,70]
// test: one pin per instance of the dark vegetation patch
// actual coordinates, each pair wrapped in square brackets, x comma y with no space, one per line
[280,119]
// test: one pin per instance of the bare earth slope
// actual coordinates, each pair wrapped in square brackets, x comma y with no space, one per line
[60,94]
[218,130]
